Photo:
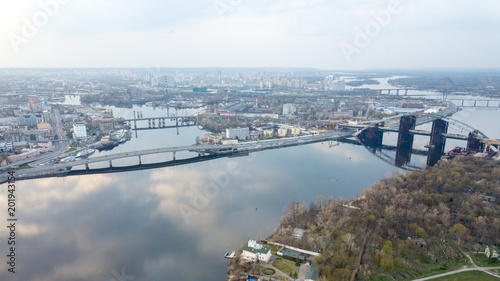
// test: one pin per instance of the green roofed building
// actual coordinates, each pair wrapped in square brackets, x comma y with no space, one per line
[253,251]
[293,254]
[311,275]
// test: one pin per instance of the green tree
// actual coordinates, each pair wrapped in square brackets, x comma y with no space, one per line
[387,260]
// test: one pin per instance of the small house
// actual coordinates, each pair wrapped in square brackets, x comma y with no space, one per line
[491,252]
[253,251]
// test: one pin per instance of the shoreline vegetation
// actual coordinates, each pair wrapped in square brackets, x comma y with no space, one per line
[402,227]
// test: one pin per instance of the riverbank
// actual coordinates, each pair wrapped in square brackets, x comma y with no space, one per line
[407,226]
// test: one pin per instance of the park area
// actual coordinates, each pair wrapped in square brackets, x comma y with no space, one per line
[468,276]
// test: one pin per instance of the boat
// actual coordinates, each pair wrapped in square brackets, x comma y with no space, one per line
[230,255]
[85,153]
[123,140]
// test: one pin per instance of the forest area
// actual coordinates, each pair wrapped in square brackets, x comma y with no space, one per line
[403,226]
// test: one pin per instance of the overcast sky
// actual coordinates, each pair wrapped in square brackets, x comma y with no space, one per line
[325,34]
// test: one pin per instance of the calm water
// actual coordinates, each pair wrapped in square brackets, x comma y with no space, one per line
[155,225]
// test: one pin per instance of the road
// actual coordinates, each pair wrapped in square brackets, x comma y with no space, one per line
[483,269]
[474,267]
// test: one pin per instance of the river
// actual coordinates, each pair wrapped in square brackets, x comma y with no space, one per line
[177,223]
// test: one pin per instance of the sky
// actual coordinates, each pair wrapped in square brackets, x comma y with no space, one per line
[324,34]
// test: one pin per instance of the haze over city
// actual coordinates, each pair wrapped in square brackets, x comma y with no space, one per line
[223,33]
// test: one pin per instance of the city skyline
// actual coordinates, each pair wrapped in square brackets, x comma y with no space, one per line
[238,33]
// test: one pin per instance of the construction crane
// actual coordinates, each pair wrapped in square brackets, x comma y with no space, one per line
[490,143]
[332,122]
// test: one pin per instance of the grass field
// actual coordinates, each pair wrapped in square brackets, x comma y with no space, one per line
[268,271]
[286,266]
[481,260]
[468,276]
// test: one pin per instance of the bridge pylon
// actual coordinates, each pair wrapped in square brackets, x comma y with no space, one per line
[437,142]
[405,139]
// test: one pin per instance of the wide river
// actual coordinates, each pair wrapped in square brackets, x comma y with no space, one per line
[177,223]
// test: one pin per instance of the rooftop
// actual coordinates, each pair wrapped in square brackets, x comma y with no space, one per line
[253,247]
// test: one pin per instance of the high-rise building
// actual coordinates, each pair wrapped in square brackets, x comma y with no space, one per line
[79,130]
[289,109]
[334,84]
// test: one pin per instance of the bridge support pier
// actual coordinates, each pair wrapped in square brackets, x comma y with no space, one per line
[474,143]
[406,92]
[199,153]
[437,142]
[174,155]
[135,125]
[372,137]
[405,139]
[87,166]
[140,160]
[110,164]
[397,92]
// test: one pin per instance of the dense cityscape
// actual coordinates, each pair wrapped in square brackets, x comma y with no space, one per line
[36,120]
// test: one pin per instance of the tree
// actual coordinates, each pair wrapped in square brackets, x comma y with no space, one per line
[387,260]
[460,232]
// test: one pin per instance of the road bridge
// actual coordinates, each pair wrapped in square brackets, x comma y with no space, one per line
[477,103]
[62,169]
[405,90]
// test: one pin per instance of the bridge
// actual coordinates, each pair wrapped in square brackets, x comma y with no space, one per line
[204,152]
[477,103]
[369,135]
[393,90]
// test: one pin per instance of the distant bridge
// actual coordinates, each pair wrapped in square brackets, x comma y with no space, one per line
[396,90]
[477,103]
